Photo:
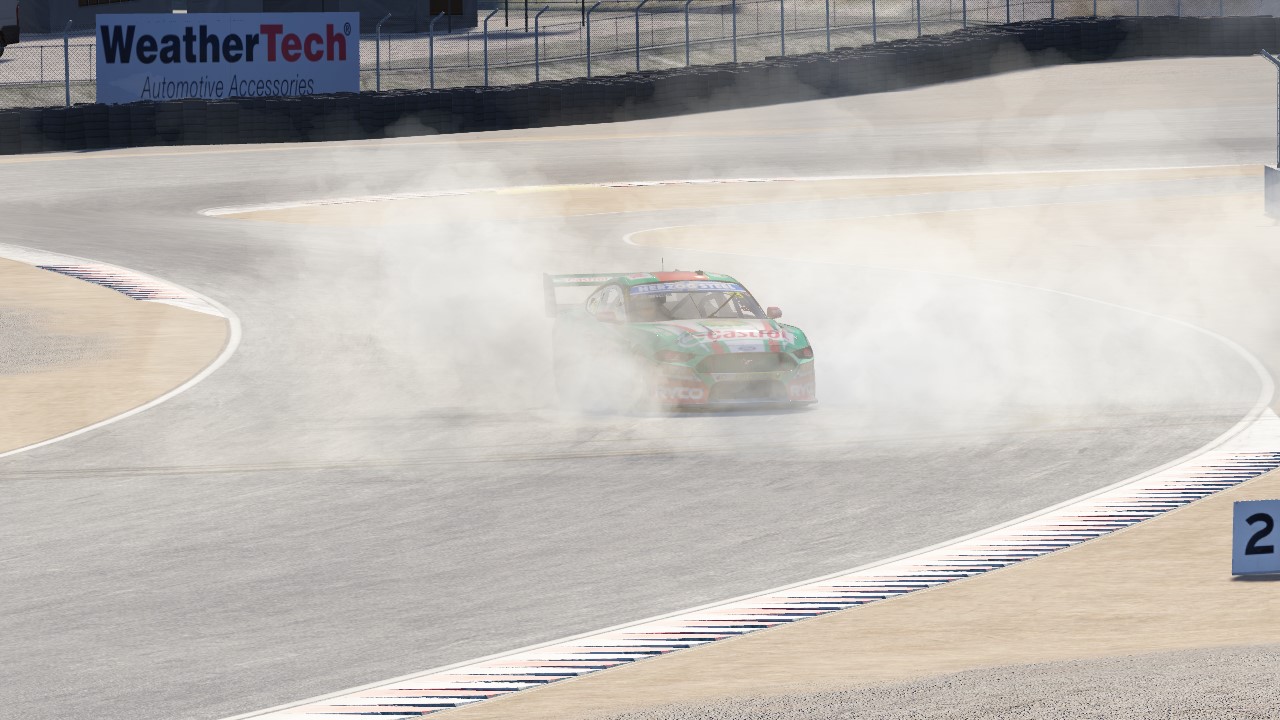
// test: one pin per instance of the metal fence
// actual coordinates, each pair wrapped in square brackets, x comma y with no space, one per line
[521,43]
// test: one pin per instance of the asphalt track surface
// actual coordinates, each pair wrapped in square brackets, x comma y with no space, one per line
[378,483]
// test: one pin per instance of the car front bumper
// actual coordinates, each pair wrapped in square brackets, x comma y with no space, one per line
[681,386]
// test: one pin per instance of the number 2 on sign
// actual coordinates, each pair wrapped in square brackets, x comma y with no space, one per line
[1252,547]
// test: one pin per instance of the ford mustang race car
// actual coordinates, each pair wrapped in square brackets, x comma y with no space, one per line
[673,339]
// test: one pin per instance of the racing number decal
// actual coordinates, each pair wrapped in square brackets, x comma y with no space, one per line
[1268,524]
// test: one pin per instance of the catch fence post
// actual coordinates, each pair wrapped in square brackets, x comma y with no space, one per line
[1095,9]
[1008,16]
[588,24]
[686,31]
[431,49]
[377,53]
[537,56]
[1276,62]
[964,13]
[919,26]
[733,8]
[66,62]
[782,25]
[642,2]
[827,4]
[486,45]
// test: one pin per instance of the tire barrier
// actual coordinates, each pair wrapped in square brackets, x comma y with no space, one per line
[892,65]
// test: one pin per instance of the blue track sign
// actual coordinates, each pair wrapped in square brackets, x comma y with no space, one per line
[1255,538]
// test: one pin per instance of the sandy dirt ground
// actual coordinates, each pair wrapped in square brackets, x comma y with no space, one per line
[73,353]
[1232,683]
[568,201]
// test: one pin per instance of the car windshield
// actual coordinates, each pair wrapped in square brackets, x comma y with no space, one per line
[691,301]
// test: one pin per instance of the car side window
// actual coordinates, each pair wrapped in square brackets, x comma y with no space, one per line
[609,298]
[613,301]
[593,302]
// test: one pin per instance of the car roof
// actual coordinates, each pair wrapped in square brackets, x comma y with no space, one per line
[672,276]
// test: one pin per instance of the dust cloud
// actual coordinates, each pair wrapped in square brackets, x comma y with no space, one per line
[945,308]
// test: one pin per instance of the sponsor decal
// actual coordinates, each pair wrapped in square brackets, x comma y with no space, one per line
[222,56]
[582,280]
[772,333]
[733,337]
[686,286]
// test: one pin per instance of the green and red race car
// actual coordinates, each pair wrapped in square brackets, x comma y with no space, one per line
[673,339]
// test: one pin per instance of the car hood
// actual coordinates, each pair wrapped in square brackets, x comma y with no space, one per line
[725,335]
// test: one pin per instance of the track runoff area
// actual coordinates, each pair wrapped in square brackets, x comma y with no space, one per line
[970,380]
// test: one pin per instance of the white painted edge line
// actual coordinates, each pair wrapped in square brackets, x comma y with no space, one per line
[1203,465]
[357,199]
[35,258]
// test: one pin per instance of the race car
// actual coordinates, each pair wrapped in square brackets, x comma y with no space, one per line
[673,339]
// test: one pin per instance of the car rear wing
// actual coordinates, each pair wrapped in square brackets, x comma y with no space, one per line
[552,283]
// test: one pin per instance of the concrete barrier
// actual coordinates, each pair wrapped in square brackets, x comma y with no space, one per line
[1271,192]
[893,65]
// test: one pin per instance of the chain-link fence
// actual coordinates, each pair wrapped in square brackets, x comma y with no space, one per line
[610,37]
[40,70]
[521,43]
[561,40]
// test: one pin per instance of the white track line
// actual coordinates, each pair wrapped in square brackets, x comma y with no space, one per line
[141,287]
[1248,450]
[358,199]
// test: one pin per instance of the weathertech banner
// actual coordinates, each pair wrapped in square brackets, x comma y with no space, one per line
[224,56]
